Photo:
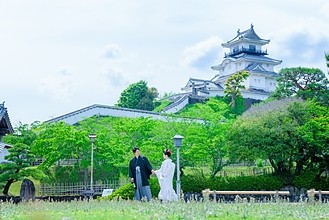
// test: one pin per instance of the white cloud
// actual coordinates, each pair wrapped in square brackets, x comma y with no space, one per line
[59,87]
[202,54]
[301,44]
[324,10]
[111,51]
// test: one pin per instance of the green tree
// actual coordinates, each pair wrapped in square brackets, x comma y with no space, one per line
[234,85]
[306,83]
[138,96]
[285,137]
[202,144]
[208,140]
[60,142]
[20,157]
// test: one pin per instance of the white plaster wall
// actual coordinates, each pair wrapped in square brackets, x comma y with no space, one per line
[245,94]
[257,82]
[271,84]
[178,107]
[74,118]
[257,96]
[3,153]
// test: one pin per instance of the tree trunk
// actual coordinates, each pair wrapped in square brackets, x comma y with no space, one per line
[233,98]
[7,186]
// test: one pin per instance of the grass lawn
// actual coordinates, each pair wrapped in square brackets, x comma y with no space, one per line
[15,188]
[80,210]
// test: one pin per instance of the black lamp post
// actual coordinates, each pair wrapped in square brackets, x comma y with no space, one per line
[178,143]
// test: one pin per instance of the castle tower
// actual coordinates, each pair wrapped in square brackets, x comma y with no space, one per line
[246,53]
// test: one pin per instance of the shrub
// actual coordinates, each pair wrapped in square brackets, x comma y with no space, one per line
[199,183]
[309,181]
[126,192]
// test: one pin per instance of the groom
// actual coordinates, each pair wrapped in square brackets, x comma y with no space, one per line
[140,170]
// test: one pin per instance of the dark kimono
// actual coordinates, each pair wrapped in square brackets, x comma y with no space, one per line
[140,169]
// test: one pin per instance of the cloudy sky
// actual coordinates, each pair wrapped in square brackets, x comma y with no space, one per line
[58,56]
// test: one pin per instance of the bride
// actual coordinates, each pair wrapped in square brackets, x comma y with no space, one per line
[165,176]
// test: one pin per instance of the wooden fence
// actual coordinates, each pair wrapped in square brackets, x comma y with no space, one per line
[255,171]
[66,189]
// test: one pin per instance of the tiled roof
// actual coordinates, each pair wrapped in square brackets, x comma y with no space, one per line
[249,57]
[202,81]
[247,34]
[3,146]
[5,121]
[257,67]
[257,58]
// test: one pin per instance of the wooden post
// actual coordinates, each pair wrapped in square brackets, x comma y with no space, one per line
[205,194]
[310,195]
[277,196]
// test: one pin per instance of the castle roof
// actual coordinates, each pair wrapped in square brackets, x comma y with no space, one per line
[249,57]
[199,83]
[257,67]
[5,125]
[247,35]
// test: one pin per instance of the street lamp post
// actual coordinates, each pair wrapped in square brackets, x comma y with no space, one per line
[92,140]
[178,143]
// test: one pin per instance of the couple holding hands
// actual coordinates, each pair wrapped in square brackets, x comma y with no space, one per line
[140,170]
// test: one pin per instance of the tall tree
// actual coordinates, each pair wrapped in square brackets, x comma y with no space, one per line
[138,96]
[286,137]
[20,157]
[306,83]
[234,85]
[208,140]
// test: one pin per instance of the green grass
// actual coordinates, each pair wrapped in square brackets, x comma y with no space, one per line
[15,187]
[163,104]
[80,210]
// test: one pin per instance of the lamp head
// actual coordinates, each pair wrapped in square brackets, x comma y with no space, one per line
[92,138]
[178,140]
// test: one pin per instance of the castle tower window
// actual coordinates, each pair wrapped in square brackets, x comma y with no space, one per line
[252,47]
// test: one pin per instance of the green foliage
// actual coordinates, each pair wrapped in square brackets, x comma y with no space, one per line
[214,106]
[259,163]
[285,137]
[60,141]
[208,140]
[309,180]
[306,83]
[199,183]
[162,105]
[239,107]
[126,192]
[20,157]
[138,96]
[233,86]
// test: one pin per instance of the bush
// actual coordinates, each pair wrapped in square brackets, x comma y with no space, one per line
[126,192]
[309,181]
[199,183]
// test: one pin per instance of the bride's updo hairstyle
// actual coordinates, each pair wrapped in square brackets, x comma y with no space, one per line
[167,152]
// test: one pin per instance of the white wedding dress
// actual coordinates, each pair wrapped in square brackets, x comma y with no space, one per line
[165,176]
